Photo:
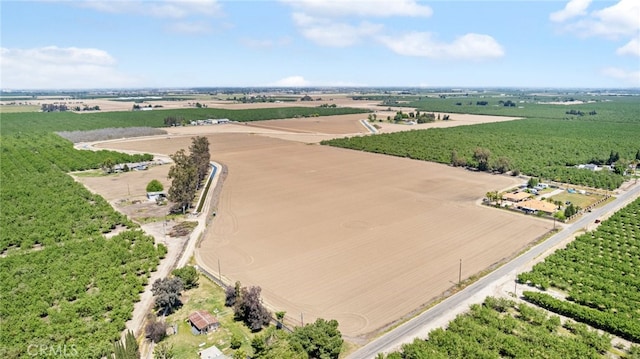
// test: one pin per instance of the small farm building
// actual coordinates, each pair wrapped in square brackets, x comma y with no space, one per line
[202,322]
[155,196]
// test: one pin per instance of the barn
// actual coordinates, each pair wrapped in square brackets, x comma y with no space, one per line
[202,322]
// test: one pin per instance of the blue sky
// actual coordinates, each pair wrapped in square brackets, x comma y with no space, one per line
[86,44]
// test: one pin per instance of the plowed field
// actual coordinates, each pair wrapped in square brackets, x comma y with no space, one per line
[363,238]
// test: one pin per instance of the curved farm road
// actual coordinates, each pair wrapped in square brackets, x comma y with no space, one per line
[496,283]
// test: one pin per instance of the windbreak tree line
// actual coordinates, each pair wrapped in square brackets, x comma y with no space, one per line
[188,172]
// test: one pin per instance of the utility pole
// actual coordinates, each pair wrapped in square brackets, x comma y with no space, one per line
[301,319]
[460,274]
[219,272]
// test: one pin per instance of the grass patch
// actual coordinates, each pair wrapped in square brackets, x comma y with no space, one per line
[210,297]
[580,200]
[19,108]
[89,173]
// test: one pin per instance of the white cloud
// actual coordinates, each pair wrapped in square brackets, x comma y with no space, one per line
[467,47]
[175,9]
[363,8]
[631,48]
[630,77]
[292,81]
[572,9]
[616,21]
[60,68]
[327,32]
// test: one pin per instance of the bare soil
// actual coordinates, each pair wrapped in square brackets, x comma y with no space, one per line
[363,238]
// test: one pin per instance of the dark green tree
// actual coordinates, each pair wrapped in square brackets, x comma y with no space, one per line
[167,293]
[532,182]
[128,348]
[280,317]
[613,158]
[173,121]
[188,275]
[571,210]
[200,157]
[321,339]
[621,166]
[184,181]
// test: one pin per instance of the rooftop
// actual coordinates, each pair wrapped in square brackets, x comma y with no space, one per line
[201,319]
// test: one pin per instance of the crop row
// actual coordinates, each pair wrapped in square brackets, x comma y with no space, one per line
[43,205]
[79,294]
[63,283]
[500,328]
[600,271]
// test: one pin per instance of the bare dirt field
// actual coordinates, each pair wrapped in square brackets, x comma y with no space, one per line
[363,238]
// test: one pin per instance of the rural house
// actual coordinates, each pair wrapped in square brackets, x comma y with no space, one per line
[516,197]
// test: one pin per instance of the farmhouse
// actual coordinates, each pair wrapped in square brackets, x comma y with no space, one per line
[516,197]
[202,322]
[534,206]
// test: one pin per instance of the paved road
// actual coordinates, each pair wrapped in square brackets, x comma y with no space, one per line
[418,327]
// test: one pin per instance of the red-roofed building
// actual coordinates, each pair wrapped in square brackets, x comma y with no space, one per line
[203,322]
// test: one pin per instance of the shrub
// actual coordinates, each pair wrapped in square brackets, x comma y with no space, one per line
[154,186]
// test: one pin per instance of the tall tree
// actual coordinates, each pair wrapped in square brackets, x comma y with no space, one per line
[250,309]
[184,180]
[200,157]
[167,293]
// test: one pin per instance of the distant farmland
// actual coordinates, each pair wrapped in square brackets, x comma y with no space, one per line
[547,148]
